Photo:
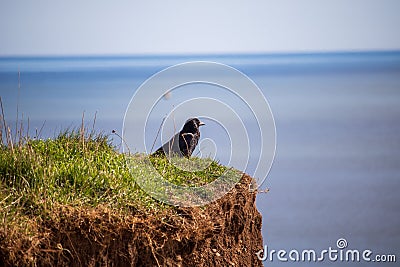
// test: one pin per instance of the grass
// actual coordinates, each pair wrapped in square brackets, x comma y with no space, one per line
[84,170]
[68,169]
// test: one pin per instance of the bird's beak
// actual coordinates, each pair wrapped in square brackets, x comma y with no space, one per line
[201,123]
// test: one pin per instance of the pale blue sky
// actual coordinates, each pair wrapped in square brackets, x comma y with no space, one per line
[46,27]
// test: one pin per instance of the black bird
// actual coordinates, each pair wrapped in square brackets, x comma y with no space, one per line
[184,142]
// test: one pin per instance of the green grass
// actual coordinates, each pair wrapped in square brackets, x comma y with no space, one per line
[67,170]
[85,170]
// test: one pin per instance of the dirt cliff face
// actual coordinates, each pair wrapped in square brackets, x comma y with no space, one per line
[224,233]
[236,234]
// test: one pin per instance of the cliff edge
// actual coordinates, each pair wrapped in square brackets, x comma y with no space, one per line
[226,232]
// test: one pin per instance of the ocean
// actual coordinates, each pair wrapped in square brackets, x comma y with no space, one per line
[336,171]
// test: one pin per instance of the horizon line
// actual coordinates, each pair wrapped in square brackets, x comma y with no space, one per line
[214,54]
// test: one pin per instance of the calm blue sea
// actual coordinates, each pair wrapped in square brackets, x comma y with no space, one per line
[336,172]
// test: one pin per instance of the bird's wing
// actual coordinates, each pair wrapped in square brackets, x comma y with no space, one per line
[186,143]
[186,140]
[172,146]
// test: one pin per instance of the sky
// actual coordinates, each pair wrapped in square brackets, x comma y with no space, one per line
[97,27]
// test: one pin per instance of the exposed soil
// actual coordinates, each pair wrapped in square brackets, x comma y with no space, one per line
[224,233]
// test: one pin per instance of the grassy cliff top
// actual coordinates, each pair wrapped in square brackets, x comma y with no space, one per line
[78,169]
[74,201]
